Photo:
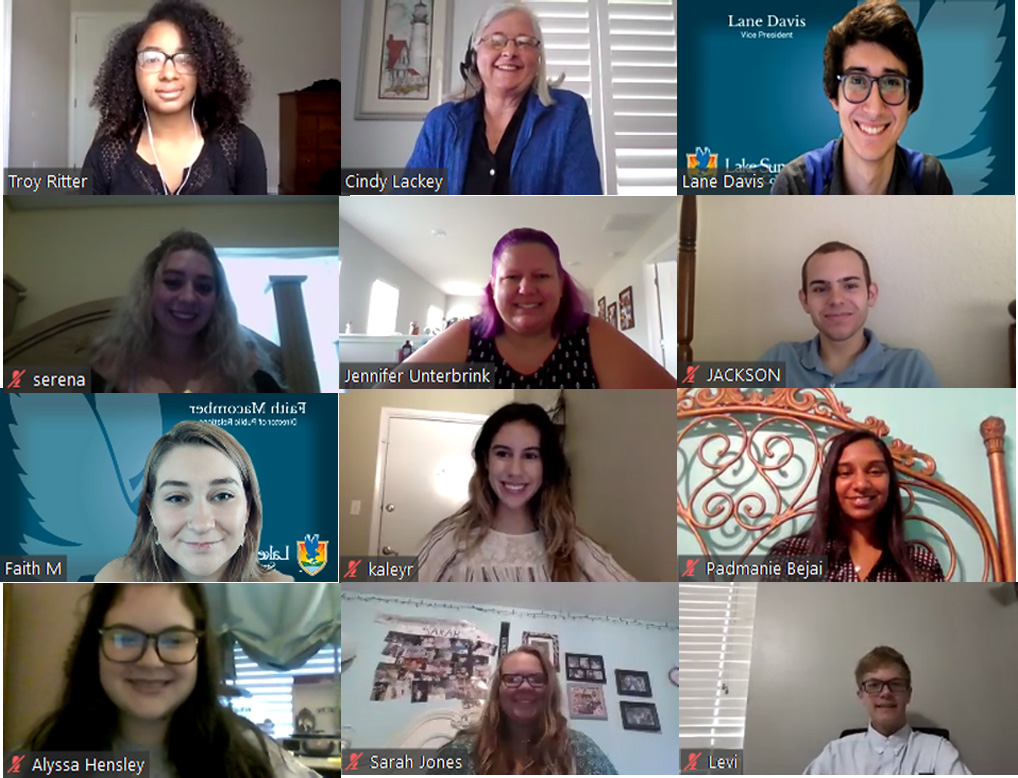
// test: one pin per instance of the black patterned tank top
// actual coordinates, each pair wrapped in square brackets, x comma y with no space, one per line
[567,367]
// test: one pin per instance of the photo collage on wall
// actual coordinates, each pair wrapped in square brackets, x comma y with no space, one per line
[428,660]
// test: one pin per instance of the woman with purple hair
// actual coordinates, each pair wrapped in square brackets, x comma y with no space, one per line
[533,328]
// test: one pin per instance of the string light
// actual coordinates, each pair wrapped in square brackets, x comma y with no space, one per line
[500,610]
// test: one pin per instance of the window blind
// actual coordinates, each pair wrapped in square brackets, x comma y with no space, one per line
[621,56]
[715,645]
[272,690]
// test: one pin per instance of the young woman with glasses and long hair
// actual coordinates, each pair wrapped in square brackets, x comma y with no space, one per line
[519,523]
[859,523]
[143,674]
[170,95]
[522,730]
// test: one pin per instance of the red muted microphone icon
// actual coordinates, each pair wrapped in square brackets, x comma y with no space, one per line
[691,764]
[690,374]
[351,569]
[690,569]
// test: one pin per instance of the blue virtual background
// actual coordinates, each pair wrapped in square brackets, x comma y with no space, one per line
[762,100]
[72,466]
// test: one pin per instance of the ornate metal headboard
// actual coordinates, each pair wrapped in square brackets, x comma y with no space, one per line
[756,434]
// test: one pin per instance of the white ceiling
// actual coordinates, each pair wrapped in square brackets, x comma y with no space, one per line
[593,233]
[657,602]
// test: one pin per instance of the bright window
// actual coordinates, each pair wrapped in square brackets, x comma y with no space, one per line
[248,272]
[382,309]
[434,320]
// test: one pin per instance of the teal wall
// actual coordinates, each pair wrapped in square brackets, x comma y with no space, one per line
[632,646]
[943,423]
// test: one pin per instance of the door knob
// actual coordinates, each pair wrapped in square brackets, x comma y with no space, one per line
[390,507]
[389,551]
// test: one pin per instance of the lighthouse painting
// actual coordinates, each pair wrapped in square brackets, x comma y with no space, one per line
[406,51]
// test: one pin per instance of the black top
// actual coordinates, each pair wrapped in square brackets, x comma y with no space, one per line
[230,162]
[488,173]
[568,367]
[263,383]
[793,180]
[841,569]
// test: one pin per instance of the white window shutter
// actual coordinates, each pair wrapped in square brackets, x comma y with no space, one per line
[621,56]
[715,648]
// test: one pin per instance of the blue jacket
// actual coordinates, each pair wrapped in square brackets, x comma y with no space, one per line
[554,151]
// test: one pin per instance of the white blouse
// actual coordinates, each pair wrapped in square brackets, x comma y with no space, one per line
[502,557]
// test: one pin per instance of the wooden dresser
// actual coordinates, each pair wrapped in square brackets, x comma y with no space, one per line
[309,139]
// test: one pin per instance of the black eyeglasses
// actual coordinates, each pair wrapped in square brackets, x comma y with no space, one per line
[153,60]
[174,646]
[515,680]
[874,686]
[856,87]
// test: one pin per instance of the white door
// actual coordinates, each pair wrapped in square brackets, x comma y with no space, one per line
[668,304]
[91,35]
[424,469]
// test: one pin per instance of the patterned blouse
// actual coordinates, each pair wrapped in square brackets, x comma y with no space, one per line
[568,367]
[842,570]
[590,760]
[502,557]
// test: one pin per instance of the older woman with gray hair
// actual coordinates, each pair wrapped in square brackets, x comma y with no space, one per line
[506,131]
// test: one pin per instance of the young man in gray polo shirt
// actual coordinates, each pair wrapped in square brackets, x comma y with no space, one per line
[837,293]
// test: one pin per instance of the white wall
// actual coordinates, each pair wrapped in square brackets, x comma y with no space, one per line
[285,47]
[460,307]
[634,646]
[959,642]
[365,261]
[382,143]
[945,267]
[629,271]
[40,82]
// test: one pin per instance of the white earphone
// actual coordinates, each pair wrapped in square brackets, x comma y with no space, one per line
[152,145]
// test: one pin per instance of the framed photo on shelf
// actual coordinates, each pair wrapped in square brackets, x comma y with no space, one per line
[640,715]
[613,315]
[588,668]
[545,642]
[633,683]
[602,313]
[404,56]
[586,701]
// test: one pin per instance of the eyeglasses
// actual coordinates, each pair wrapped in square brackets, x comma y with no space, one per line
[515,680]
[497,42]
[174,646]
[874,686]
[857,87]
[153,60]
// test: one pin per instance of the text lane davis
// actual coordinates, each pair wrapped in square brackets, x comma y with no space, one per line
[390,570]
[772,20]
[728,181]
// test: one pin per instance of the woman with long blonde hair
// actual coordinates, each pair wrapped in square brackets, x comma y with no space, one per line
[176,330]
[519,523]
[522,730]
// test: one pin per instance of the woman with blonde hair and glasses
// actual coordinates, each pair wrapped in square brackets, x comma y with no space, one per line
[200,513]
[522,730]
[506,131]
[519,523]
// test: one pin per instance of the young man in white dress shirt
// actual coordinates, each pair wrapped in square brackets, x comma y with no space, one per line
[889,746]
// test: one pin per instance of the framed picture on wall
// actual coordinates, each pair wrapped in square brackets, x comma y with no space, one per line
[633,683]
[544,642]
[613,315]
[602,312]
[585,667]
[586,701]
[404,56]
[640,715]
[626,318]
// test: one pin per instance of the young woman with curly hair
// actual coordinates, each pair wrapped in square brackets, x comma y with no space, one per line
[143,674]
[519,523]
[522,730]
[176,330]
[170,95]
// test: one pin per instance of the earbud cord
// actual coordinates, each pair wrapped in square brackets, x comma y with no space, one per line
[152,145]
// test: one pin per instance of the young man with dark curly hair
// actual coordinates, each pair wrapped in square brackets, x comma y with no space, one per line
[170,95]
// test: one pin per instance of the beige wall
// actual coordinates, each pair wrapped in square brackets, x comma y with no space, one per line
[945,267]
[285,47]
[620,446]
[39,623]
[68,256]
[959,641]
[40,82]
